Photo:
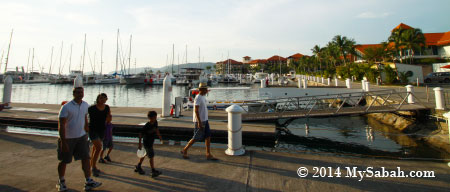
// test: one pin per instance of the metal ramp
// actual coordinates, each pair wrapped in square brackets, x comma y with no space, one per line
[330,105]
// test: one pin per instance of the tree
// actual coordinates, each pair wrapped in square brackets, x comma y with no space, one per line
[412,39]
[396,38]
[345,46]
[317,51]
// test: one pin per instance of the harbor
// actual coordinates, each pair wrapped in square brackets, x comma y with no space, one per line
[354,98]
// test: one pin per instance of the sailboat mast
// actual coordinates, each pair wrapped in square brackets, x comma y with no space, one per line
[28,61]
[1,60]
[70,58]
[101,59]
[51,62]
[173,56]
[186,54]
[9,47]
[198,65]
[84,52]
[117,52]
[60,58]
[32,62]
[129,56]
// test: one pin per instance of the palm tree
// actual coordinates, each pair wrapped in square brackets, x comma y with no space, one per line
[317,51]
[412,39]
[396,38]
[345,45]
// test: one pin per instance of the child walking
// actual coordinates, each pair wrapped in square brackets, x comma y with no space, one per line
[107,143]
[148,134]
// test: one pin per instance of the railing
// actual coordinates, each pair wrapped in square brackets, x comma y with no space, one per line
[363,102]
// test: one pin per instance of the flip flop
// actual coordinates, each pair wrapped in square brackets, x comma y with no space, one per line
[184,156]
[211,158]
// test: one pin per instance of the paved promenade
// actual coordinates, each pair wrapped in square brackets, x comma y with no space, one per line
[28,163]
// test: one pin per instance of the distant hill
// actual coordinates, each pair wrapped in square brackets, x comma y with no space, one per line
[202,65]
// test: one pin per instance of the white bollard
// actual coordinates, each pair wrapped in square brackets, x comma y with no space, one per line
[323,81]
[363,85]
[378,81]
[167,90]
[7,89]
[353,79]
[235,130]
[299,83]
[417,82]
[367,86]
[305,83]
[263,83]
[329,81]
[447,116]
[348,84]
[78,81]
[410,89]
[439,95]
[336,82]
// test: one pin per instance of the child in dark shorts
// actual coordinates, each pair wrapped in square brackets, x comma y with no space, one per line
[148,134]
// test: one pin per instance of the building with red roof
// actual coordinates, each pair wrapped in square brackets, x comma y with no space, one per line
[295,57]
[231,66]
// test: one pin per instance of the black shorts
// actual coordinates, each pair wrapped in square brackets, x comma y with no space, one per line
[93,135]
[149,148]
[78,148]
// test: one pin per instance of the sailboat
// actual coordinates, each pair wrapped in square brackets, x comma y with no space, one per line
[105,78]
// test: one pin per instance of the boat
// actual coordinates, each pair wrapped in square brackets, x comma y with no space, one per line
[246,79]
[139,78]
[36,77]
[107,79]
[260,76]
[189,76]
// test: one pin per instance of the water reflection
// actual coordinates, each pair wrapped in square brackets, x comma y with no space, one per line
[119,95]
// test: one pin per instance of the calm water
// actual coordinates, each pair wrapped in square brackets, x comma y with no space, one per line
[118,95]
[337,135]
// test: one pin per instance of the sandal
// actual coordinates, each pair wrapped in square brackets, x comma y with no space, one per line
[184,156]
[211,158]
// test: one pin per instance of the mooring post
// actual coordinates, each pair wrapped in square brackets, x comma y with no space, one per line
[235,130]
[167,90]
[438,92]
[336,83]
[367,86]
[329,81]
[299,83]
[305,83]
[410,91]
[363,85]
[7,89]
[347,83]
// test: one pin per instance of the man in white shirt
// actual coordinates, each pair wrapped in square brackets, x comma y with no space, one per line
[200,119]
[72,142]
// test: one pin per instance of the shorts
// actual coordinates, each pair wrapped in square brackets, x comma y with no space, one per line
[201,135]
[78,148]
[93,135]
[149,149]
[107,143]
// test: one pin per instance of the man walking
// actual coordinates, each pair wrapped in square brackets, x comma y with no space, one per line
[72,142]
[201,130]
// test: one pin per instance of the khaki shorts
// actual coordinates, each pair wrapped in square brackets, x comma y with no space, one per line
[78,149]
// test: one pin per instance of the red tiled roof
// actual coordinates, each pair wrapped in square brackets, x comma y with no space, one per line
[296,56]
[233,62]
[362,48]
[437,38]
[247,57]
[403,26]
[256,61]
[276,58]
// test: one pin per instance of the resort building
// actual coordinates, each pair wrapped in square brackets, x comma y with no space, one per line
[231,66]
[437,46]
[294,58]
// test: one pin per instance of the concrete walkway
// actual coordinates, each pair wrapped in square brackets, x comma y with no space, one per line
[28,163]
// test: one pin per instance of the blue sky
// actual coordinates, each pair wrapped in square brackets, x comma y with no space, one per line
[257,28]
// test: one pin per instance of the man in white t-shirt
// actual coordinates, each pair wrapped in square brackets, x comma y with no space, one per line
[200,119]
[72,141]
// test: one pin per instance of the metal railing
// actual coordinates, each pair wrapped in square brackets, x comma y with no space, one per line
[334,104]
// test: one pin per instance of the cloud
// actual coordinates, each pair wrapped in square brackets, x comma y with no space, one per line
[81,2]
[81,19]
[372,15]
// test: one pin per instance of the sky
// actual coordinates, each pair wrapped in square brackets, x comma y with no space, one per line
[220,29]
